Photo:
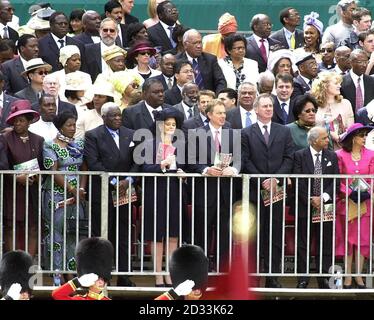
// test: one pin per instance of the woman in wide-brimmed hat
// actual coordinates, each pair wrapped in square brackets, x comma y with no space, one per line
[354,159]
[138,58]
[21,146]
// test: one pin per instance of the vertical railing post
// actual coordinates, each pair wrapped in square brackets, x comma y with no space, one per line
[104,204]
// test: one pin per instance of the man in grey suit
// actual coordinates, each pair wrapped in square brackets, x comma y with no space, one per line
[267,148]
[188,106]
[28,49]
[5,102]
[289,36]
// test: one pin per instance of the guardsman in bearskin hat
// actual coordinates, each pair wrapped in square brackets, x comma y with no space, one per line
[15,275]
[94,258]
[189,274]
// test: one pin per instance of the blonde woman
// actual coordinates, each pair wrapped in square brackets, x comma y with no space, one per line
[152,13]
[334,112]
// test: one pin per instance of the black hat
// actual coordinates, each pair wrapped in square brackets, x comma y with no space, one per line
[170,112]
[95,255]
[189,262]
[14,268]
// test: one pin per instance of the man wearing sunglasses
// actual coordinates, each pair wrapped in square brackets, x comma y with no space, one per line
[36,70]
[327,51]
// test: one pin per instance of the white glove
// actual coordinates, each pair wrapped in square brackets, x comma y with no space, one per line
[184,288]
[88,280]
[15,291]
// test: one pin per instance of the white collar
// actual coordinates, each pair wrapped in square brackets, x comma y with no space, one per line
[213,130]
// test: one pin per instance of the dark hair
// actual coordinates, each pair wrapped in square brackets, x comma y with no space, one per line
[168,113]
[71,94]
[76,14]
[148,83]
[284,13]
[22,41]
[360,12]
[277,65]
[363,35]
[230,40]
[62,117]
[54,15]
[7,44]
[178,31]
[285,77]
[133,29]
[347,143]
[161,7]
[231,93]
[211,104]
[130,59]
[43,96]
[180,63]
[300,102]
[111,5]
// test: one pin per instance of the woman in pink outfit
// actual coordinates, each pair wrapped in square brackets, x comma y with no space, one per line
[354,159]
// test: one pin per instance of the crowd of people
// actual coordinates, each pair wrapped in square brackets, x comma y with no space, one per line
[78,91]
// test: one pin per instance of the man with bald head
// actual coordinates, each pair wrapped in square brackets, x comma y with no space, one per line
[259,45]
[357,87]
[91,25]
[343,64]
[190,96]
[208,74]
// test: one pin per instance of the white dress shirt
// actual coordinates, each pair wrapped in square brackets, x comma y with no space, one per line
[266,43]
[261,125]
[47,130]
[150,109]
[56,40]
[286,107]
[243,116]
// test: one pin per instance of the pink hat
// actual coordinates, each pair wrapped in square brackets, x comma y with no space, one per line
[21,107]
[353,129]
[140,47]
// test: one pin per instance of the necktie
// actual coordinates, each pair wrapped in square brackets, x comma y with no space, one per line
[263,51]
[317,170]
[116,138]
[310,83]
[155,114]
[171,36]
[5,33]
[206,121]
[359,98]
[61,43]
[248,120]
[170,83]
[293,41]
[198,77]
[190,112]
[266,134]
[284,113]
[216,142]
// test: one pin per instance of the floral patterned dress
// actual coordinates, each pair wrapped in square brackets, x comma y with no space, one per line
[68,159]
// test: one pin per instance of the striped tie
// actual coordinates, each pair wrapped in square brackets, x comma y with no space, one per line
[198,77]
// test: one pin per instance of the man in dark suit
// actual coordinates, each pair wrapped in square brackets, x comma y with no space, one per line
[188,105]
[109,148]
[204,149]
[308,71]
[243,115]
[283,104]
[93,58]
[267,148]
[113,9]
[51,85]
[91,24]
[49,45]
[141,115]
[316,159]
[357,82]
[5,102]
[208,74]
[259,45]
[6,16]
[183,74]
[167,66]
[28,49]
[160,34]
[289,36]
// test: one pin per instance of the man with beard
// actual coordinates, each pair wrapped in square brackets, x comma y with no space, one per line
[188,106]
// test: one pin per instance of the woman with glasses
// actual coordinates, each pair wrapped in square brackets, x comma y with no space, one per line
[353,227]
[138,59]
[334,113]
[304,110]
[235,67]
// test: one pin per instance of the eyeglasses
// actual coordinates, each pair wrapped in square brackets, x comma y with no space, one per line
[143,53]
[310,110]
[40,73]
[107,30]
[327,50]
[362,134]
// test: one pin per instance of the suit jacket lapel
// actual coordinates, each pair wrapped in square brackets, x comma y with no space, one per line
[110,141]
[124,141]
[258,131]
[309,161]
[52,45]
[277,108]
[146,116]
[252,42]
[273,132]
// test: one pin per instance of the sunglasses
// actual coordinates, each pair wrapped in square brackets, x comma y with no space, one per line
[109,30]
[362,134]
[310,110]
[327,50]
[134,85]
[40,73]
[143,53]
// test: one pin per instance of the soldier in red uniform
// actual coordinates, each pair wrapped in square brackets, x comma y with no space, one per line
[188,272]
[94,258]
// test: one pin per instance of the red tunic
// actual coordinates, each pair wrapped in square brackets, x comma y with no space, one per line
[64,293]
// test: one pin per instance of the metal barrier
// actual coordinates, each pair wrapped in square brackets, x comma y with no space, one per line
[202,207]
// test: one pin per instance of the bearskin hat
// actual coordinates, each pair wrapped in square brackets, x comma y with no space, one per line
[15,268]
[189,262]
[95,255]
